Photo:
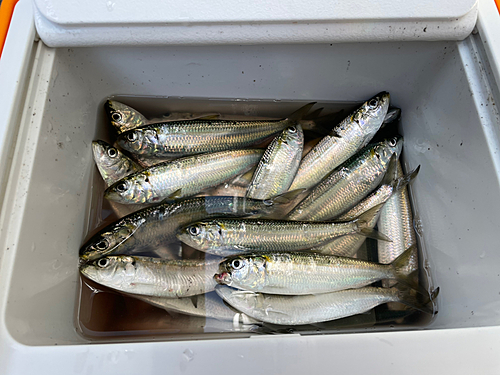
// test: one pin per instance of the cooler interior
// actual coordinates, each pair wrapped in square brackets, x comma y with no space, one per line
[449,122]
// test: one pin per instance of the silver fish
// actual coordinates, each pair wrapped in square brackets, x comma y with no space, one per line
[156,226]
[277,168]
[348,184]
[397,219]
[225,237]
[112,163]
[306,273]
[179,138]
[124,117]
[182,177]
[345,140]
[207,305]
[308,309]
[153,276]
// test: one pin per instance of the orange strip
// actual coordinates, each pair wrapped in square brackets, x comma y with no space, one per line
[6,10]
[497,2]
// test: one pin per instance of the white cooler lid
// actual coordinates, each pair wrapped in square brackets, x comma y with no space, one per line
[164,22]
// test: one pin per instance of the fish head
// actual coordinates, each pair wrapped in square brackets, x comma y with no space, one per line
[110,161]
[110,239]
[292,136]
[123,117]
[202,235]
[243,271]
[133,189]
[394,145]
[371,114]
[112,271]
[140,141]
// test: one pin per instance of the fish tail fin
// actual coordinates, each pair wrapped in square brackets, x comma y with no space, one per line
[366,221]
[405,266]
[300,113]
[399,183]
[416,299]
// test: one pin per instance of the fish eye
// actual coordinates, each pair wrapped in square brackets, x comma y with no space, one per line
[237,264]
[116,116]
[292,129]
[373,103]
[112,152]
[103,262]
[393,142]
[194,230]
[121,187]
[102,245]
[132,136]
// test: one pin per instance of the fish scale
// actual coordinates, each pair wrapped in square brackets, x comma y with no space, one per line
[186,176]
[307,309]
[153,276]
[178,138]
[296,273]
[156,226]
[226,236]
[348,137]
[276,170]
[348,184]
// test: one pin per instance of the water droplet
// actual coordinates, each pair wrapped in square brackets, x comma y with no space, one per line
[56,264]
[188,355]
[33,247]
[110,5]
[482,255]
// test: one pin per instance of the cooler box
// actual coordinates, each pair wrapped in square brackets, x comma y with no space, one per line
[441,64]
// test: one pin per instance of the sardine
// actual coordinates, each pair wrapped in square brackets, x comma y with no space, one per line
[308,309]
[112,163]
[397,219]
[182,177]
[279,164]
[179,138]
[124,117]
[156,226]
[225,237]
[344,141]
[348,184]
[153,276]
[307,273]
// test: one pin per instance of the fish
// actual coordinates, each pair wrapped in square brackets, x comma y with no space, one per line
[180,138]
[156,226]
[278,165]
[397,219]
[182,177]
[309,309]
[348,184]
[124,117]
[112,164]
[296,273]
[344,141]
[153,276]
[208,305]
[224,236]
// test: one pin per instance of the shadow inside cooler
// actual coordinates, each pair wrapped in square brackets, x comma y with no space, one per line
[449,120]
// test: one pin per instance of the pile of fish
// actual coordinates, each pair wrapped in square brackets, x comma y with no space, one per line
[280,220]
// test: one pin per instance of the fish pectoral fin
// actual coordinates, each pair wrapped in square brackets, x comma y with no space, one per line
[287,197]
[194,301]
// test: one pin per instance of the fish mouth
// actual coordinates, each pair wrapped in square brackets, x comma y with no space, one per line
[223,278]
